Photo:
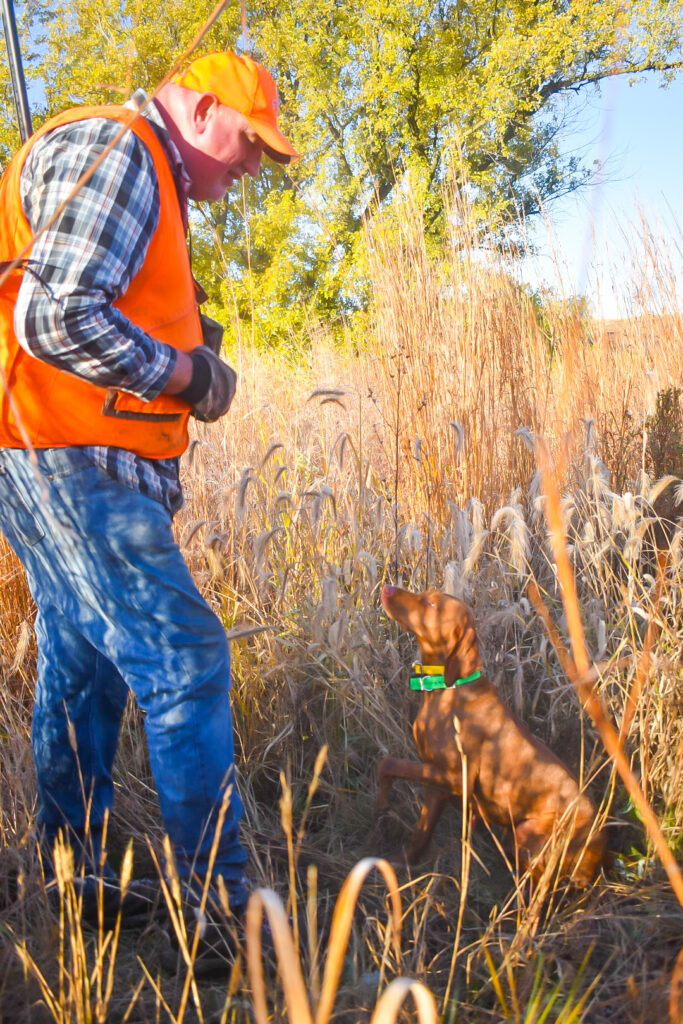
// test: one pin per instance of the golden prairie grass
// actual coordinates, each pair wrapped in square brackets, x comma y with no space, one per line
[411,461]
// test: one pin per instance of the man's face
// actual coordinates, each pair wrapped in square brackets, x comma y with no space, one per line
[225,147]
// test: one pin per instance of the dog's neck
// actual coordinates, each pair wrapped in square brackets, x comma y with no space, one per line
[468,662]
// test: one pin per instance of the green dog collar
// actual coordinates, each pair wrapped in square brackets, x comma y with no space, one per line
[431,677]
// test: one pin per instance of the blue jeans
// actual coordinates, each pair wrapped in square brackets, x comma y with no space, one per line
[117,608]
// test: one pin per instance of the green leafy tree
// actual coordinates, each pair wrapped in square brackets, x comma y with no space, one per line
[375,95]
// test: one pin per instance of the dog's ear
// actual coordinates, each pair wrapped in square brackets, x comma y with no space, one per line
[464,657]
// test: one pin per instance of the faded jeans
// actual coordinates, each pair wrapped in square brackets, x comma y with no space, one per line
[117,608]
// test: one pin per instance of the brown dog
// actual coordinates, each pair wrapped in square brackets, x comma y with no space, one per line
[515,779]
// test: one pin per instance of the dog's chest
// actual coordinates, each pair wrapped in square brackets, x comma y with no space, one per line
[434,730]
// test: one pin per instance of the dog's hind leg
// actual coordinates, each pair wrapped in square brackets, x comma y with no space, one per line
[434,802]
[586,855]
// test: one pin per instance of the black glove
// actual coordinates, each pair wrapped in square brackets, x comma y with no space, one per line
[212,388]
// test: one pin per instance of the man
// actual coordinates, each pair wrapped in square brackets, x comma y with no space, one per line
[101,349]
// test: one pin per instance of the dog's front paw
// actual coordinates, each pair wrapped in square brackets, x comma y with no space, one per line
[381,804]
[413,853]
[388,833]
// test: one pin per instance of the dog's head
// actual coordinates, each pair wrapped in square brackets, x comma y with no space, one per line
[442,626]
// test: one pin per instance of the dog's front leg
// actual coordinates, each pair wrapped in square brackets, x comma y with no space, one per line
[434,802]
[385,781]
[391,768]
[440,785]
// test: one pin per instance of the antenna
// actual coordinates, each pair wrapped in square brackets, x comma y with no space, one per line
[16,71]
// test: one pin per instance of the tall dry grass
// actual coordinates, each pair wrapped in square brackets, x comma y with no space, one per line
[466,358]
[410,462]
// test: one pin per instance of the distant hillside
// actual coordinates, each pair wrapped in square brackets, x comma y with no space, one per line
[649,328]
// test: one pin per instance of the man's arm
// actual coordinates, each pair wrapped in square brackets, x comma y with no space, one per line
[87,258]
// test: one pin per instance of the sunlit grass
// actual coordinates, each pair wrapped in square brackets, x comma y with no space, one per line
[411,461]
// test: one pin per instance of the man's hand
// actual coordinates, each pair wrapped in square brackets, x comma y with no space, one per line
[204,381]
[222,381]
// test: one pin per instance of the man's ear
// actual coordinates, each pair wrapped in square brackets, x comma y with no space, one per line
[203,111]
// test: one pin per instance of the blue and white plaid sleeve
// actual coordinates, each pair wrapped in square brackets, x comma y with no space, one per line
[87,258]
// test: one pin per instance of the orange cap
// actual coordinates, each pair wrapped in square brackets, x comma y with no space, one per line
[244,85]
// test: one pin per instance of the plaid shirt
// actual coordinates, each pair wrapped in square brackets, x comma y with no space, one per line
[64,313]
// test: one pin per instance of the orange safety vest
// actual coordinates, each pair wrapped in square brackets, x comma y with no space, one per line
[56,408]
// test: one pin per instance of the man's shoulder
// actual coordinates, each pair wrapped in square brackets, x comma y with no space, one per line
[70,144]
[91,131]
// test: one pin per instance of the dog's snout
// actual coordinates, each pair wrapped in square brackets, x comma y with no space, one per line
[388,595]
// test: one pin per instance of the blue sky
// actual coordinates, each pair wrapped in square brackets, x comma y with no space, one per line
[637,133]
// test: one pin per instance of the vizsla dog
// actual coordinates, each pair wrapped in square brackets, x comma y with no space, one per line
[514,778]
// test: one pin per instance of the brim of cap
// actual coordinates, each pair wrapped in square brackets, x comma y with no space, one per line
[274,143]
